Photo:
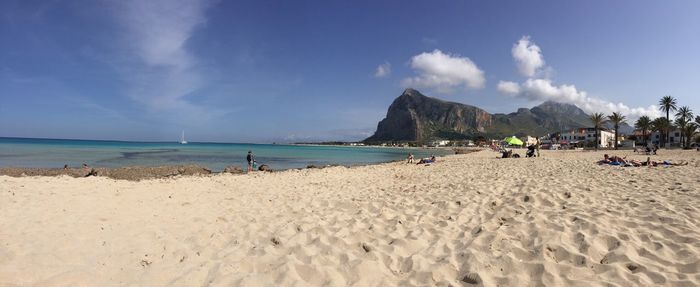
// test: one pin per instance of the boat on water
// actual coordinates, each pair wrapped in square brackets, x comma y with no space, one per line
[182,138]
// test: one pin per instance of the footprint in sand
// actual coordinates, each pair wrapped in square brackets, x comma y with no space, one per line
[366,248]
[476,231]
[634,268]
[471,278]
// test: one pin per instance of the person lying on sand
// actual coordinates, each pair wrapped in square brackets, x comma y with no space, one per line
[430,159]
[614,160]
[651,163]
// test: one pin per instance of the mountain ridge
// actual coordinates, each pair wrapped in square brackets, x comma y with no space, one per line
[415,117]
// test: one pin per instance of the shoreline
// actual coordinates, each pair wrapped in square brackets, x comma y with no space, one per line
[138,173]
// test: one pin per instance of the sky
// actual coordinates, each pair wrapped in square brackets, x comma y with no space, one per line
[289,71]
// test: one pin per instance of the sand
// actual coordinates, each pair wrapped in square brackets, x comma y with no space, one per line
[468,220]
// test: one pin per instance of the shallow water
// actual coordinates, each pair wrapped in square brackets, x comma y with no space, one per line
[21,152]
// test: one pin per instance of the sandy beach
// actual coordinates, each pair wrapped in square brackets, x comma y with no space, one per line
[468,220]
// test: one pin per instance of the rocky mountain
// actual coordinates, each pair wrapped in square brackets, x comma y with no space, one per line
[416,117]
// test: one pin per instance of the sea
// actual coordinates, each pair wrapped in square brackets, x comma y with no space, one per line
[55,153]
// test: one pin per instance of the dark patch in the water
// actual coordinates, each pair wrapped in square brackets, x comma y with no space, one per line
[133,154]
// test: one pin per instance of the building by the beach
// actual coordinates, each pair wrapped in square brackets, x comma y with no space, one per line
[674,138]
[439,143]
[587,136]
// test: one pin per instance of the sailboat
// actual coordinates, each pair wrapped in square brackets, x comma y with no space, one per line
[182,138]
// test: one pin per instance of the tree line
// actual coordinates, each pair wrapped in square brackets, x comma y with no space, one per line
[683,121]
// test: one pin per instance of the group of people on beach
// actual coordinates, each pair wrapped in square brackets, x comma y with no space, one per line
[533,150]
[623,161]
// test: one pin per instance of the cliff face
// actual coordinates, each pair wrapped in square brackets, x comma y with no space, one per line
[415,117]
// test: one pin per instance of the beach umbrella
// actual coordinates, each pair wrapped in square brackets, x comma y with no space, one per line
[513,141]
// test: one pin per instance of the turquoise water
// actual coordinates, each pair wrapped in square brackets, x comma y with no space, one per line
[21,152]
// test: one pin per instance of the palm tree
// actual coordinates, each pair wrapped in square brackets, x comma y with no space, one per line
[684,116]
[689,132]
[597,120]
[697,126]
[667,104]
[616,119]
[644,124]
[682,124]
[660,125]
[685,112]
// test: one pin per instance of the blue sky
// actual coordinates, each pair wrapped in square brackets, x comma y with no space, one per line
[264,71]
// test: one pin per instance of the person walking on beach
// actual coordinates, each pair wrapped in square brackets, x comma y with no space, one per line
[537,147]
[250,159]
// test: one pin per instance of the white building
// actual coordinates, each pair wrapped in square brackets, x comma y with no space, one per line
[587,135]
[438,143]
[674,138]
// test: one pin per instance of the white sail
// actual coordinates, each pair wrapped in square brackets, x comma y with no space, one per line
[182,138]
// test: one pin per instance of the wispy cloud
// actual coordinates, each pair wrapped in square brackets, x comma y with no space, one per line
[383,70]
[530,62]
[444,72]
[507,87]
[164,72]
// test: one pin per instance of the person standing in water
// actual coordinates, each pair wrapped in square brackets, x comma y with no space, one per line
[250,159]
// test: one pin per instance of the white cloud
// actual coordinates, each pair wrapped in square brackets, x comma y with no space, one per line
[506,87]
[528,57]
[530,62]
[383,70]
[157,32]
[444,72]
[544,90]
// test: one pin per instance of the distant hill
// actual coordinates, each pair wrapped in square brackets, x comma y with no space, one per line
[416,117]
